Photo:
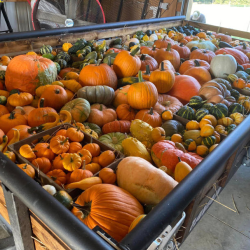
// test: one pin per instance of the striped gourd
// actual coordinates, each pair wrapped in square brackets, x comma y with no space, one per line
[200,113]
[49,56]
[236,108]
[232,77]
[209,141]
[190,145]
[62,63]
[2,74]
[235,94]
[84,51]
[64,56]
[58,67]
[186,112]
[46,49]
[219,110]
[196,102]
[231,128]
[207,106]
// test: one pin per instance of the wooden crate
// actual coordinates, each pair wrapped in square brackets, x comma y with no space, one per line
[3,207]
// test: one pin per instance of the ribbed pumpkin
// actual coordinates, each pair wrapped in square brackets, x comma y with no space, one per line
[148,60]
[201,74]
[28,72]
[24,130]
[40,116]
[125,112]
[202,54]
[127,63]
[116,126]
[163,43]
[184,88]
[183,50]
[3,110]
[100,74]
[142,95]
[121,96]
[149,116]
[110,207]
[149,51]
[168,54]
[193,63]
[163,79]
[79,109]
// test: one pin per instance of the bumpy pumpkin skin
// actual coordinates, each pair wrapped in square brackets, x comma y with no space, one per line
[28,72]
[112,208]
[164,153]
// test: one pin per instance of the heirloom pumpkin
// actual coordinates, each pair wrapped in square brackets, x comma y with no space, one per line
[149,116]
[99,74]
[109,207]
[97,94]
[144,181]
[20,76]
[184,88]
[43,150]
[101,115]
[20,99]
[116,126]
[58,176]
[43,164]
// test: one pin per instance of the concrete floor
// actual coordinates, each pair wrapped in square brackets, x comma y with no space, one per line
[221,228]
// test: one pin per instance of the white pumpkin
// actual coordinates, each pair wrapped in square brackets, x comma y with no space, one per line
[132,40]
[153,38]
[50,189]
[3,68]
[202,45]
[221,65]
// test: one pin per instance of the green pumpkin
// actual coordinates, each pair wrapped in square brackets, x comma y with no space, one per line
[49,56]
[186,113]
[80,44]
[62,63]
[207,106]
[58,68]
[114,140]
[127,81]
[235,94]
[236,108]
[231,128]
[46,49]
[2,74]
[196,102]
[200,113]
[209,141]
[63,55]
[64,198]
[93,127]
[172,127]
[219,110]
[3,100]
[97,94]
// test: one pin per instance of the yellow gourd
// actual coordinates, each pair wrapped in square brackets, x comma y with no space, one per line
[182,169]
[85,183]
[237,118]
[136,221]
[72,85]
[40,90]
[4,143]
[213,147]
[10,155]
[59,83]
[49,125]
[66,47]
[192,125]
[207,130]
[15,139]
[67,114]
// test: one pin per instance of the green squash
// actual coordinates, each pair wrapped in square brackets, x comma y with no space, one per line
[46,49]
[172,127]
[64,198]
[231,128]
[186,113]
[49,56]
[236,108]
[235,93]
[200,113]
[63,55]
[62,63]
[97,94]
[219,110]
[3,100]
[194,135]
[94,127]
[232,77]
[209,141]
[127,81]
[207,106]
[242,74]
[196,102]
[114,140]
[247,71]
[80,44]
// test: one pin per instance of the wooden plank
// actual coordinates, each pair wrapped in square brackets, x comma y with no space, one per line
[45,235]
[57,41]
[4,212]
[232,32]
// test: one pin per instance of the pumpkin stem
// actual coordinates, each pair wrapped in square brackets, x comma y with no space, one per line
[154,47]
[244,46]
[84,209]
[61,157]
[25,166]
[134,51]
[197,64]
[109,61]
[204,51]
[41,103]
[179,159]
[181,44]
[169,47]
[151,111]
[83,165]
[147,70]
[114,140]
[12,115]
[98,62]
[21,109]
[57,91]
[162,66]
[71,159]
[64,141]
[101,107]
[140,76]
[143,57]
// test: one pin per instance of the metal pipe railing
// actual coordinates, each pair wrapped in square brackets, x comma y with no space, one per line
[172,206]
[54,32]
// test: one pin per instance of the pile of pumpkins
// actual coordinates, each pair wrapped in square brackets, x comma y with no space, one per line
[125,93]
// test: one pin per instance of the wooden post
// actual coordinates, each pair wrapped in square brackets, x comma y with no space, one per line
[19,221]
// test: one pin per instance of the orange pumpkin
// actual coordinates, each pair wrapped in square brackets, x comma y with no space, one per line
[93,148]
[202,54]
[125,112]
[121,96]
[183,50]
[201,74]
[93,167]
[193,63]
[24,130]
[78,175]
[163,43]
[59,144]
[85,155]
[106,158]
[23,110]
[58,161]
[148,60]
[27,72]
[149,51]
[43,150]
[58,176]
[28,169]
[3,110]
[239,83]
[150,116]
[121,126]
[43,164]
[74,147]
[107,175]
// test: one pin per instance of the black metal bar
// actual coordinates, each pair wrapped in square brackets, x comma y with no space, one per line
[98,12]
[172,206]
[120,11]
[88,7]
[19,221]
[145,7]
[60,220]
[54,32]
[2,9]
[159,9]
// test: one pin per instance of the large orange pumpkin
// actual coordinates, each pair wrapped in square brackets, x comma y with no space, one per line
[183,50]
[193,63]
[28,72]
[202,54]
[24,130]
[110,207]
[93,75]
[200,74]
[148,60]
[121,96]
[184,88]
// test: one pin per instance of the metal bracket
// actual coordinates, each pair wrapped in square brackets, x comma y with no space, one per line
[165,241]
